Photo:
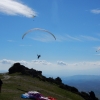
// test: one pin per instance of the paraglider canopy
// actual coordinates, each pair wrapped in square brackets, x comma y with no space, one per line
[34,29]
[98,50]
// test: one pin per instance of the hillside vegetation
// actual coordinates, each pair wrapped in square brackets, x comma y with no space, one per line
[20,80]
[16,84]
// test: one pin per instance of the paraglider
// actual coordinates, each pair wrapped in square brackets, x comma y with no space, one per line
[97,50]
[39,30]
[33,16]
[38,56]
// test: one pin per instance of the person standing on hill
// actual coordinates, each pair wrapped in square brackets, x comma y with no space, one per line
[0,84]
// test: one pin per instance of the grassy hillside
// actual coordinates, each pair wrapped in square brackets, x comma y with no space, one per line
[16,84]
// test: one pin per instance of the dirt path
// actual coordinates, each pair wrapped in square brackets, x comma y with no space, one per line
[6,77]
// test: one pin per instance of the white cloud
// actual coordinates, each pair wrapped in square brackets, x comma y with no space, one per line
[58,68]
[10,40]
[43,62]
[42,37]
[95,11]
[73,38]
[61,63]
[67,37]
[90,38]
[14,7]
[5,61]
[60,38]
[80,38]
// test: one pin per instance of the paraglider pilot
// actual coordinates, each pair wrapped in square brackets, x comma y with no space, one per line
[38,56]
[0,84]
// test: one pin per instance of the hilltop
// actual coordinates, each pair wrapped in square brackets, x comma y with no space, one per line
[17,84]
[21,79]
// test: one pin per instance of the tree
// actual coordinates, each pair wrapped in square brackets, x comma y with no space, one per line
[92,95]
[58,80]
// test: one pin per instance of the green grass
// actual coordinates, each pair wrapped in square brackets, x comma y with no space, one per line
[18,84]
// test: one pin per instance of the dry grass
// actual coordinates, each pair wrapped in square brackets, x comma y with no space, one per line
[14,85]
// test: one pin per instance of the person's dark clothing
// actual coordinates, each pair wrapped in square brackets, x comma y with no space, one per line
[1,82]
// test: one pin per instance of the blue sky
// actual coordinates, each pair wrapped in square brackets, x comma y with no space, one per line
[75,24]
